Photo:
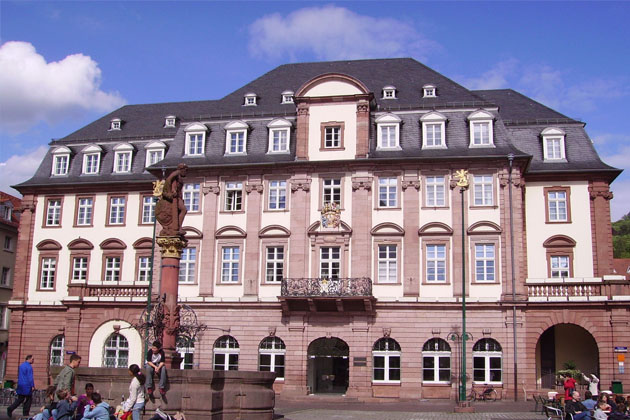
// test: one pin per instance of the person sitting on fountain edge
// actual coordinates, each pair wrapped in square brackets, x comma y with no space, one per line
[156,363]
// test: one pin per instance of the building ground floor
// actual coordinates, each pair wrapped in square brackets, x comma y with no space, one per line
[404,350]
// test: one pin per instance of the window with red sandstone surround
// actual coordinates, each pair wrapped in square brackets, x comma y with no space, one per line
[147,209]
[386,361]
[557,204]
[330,262]
[387,255]
[436,362]
[116,205]
[84,211]
[559,249]
[487,361]
[436,260]
[57,350]
[332,133]
[48,258]
[388,192]
[225,353]
[53,212]
[271,354]
[274,264]
[277,194]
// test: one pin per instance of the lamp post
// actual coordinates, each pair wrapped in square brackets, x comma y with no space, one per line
[510,163]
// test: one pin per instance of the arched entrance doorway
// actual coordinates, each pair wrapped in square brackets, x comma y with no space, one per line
[328,366]
[564,343]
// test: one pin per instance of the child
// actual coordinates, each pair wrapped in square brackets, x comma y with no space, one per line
[156,363]
[66,406]
[599,412]
[47,411]
[98,410]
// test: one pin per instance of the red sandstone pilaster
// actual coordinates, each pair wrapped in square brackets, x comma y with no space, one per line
[411,214]
[211,191]
[24,246]
[301,142]
[361,225]
[601,227]
[254,189]
[458,219]
[363,128]
[300,218]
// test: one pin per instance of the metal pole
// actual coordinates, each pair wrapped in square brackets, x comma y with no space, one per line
[462,388]
[511,162]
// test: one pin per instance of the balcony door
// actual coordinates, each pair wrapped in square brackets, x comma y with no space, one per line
[328,366]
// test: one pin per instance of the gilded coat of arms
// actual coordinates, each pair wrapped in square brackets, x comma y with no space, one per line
[331,215]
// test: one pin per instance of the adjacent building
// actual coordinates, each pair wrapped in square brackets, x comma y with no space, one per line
[329,236]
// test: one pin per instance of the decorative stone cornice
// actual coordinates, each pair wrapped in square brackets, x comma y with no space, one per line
[363,107]
[303,109]
[517,181]
[410,183]
[364,183]
[605,194]
[300,184]
[211,188]
[254,187]
[171,246]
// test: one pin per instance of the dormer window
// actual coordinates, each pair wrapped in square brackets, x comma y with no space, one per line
[115,124]
[169,122]
[279,136]
[388,132]
[429,91]
[481,129]
[122,158]
[389,92]
[91,159]
[250,99]
[287,97]
[155,152]
[61,161]
[553,144]
[433,131]
[195,140]
[6,210]
[236,138]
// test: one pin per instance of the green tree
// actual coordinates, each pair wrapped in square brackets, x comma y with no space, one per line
[621,237]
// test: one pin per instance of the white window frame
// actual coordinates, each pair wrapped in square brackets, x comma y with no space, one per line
[436,355]
[188,266]
[429,91]
[274,264]
[387,185]
[389,92]
[333,134]
[61,161]
[195,132]
[277,198]
[485,260]
[434,262]
[231,347]
[480,118]
[191,194]
[48,273]
[230,264]
[79,268]
[552,134]
[288,97]
[117,206]
[144,268]
[91,160]
[151,148]
[557,269]
[482,185]
[331,187]
[389,122]
[119,349]
[85,211]
[185,346]
[236,127]
[487,355]
[330,264]
[5,280]
[169,121]
[433,185]
[387,263]
[250,99]
[115,124]
[387,355]
[233,196]
[122,162]
[281,127]
[553,203]
[53,212]
[57,350]
[148,209]
[278,348]
[429,120]
[113,268]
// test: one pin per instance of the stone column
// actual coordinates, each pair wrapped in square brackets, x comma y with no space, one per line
[254,189]
[363,129]
[301,142]
[171,248]
[211,192]
[24,247]
[601,228]
[361,225]
[411,212]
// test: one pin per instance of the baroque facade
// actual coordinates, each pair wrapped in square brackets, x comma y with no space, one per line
[328,239]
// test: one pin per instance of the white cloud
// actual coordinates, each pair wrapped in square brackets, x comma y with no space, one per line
[33,90]
[495,78]
[19,168]
[335,33]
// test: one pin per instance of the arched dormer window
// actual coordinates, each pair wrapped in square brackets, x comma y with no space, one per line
[236,138]
[195,140]
[481,129]
[61,161]
[91,159]
[154,152]
[122,158]
[433,131]
[279,136]
[388,132]
[553,144]
[389,92]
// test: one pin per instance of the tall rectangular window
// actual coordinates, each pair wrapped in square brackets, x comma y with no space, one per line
[389,137]
[60,164]
[79,268]
[91,163]
[191,197]
[5,280]
[387,264]
[560,266]
[155,156]
[230,261]
[144,268]
[388,192]
[330,262]
[53,212]
[554,148]
[483,188]
[84,212]
[557,202]
[148,209]
[233,196]
[112,268]
[195,144]
[332,137]
[436,191]
[484,263]
[481,133]
[436,263]
[279,140]
[117,210]
[47,275]
[122,162]
[187,265]
[433,134]
[277,195]
[274,264]
[332,191]
[237,142]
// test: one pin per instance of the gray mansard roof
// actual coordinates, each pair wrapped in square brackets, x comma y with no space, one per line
[518,123]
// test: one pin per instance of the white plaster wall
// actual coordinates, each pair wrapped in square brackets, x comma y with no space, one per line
[487,291]
[538,231]
[232,219]
[332,88]
[387,291]
[319,113]
[280,218]
[442,215]
[391,216]
[436,290]
[102,333]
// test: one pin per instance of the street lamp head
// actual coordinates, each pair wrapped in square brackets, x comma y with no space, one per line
[510,157]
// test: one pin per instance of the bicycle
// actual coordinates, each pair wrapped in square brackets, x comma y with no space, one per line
[488,394]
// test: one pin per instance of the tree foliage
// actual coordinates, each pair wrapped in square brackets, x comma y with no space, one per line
[621,237]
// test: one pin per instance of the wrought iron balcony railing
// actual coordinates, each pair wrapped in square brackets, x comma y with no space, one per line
[322,287]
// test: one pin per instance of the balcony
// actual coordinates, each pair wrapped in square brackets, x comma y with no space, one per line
[108,292]
[327,295]
[596,289]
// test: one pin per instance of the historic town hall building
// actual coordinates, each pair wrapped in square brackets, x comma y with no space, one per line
[328,238]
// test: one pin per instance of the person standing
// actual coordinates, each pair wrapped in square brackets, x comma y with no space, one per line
[135,402]
[25,388]
[65,378]
[593,383]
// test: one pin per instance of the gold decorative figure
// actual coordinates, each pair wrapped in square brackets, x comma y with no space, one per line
[462,178]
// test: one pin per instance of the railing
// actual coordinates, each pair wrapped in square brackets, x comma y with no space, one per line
[117,291]
[322,287]
[566,288]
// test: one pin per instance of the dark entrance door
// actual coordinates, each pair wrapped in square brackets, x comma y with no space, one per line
[328,366]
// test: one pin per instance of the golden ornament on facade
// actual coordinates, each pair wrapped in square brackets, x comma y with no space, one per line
[171,246]
[158,188]
[462,178]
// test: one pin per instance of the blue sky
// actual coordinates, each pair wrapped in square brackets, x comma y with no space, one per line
[64,64]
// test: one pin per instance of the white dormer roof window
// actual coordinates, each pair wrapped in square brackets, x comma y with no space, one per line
[389,92]
[236,138]
[481,129]
[122,158]
[287,97]
[388,132]
[195,140]
[154,152]
[61,161]
[250,99]
[433,130]
[169,121]
[91,159]
[279,136]
[115,124]
[553,145]
[429,91]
